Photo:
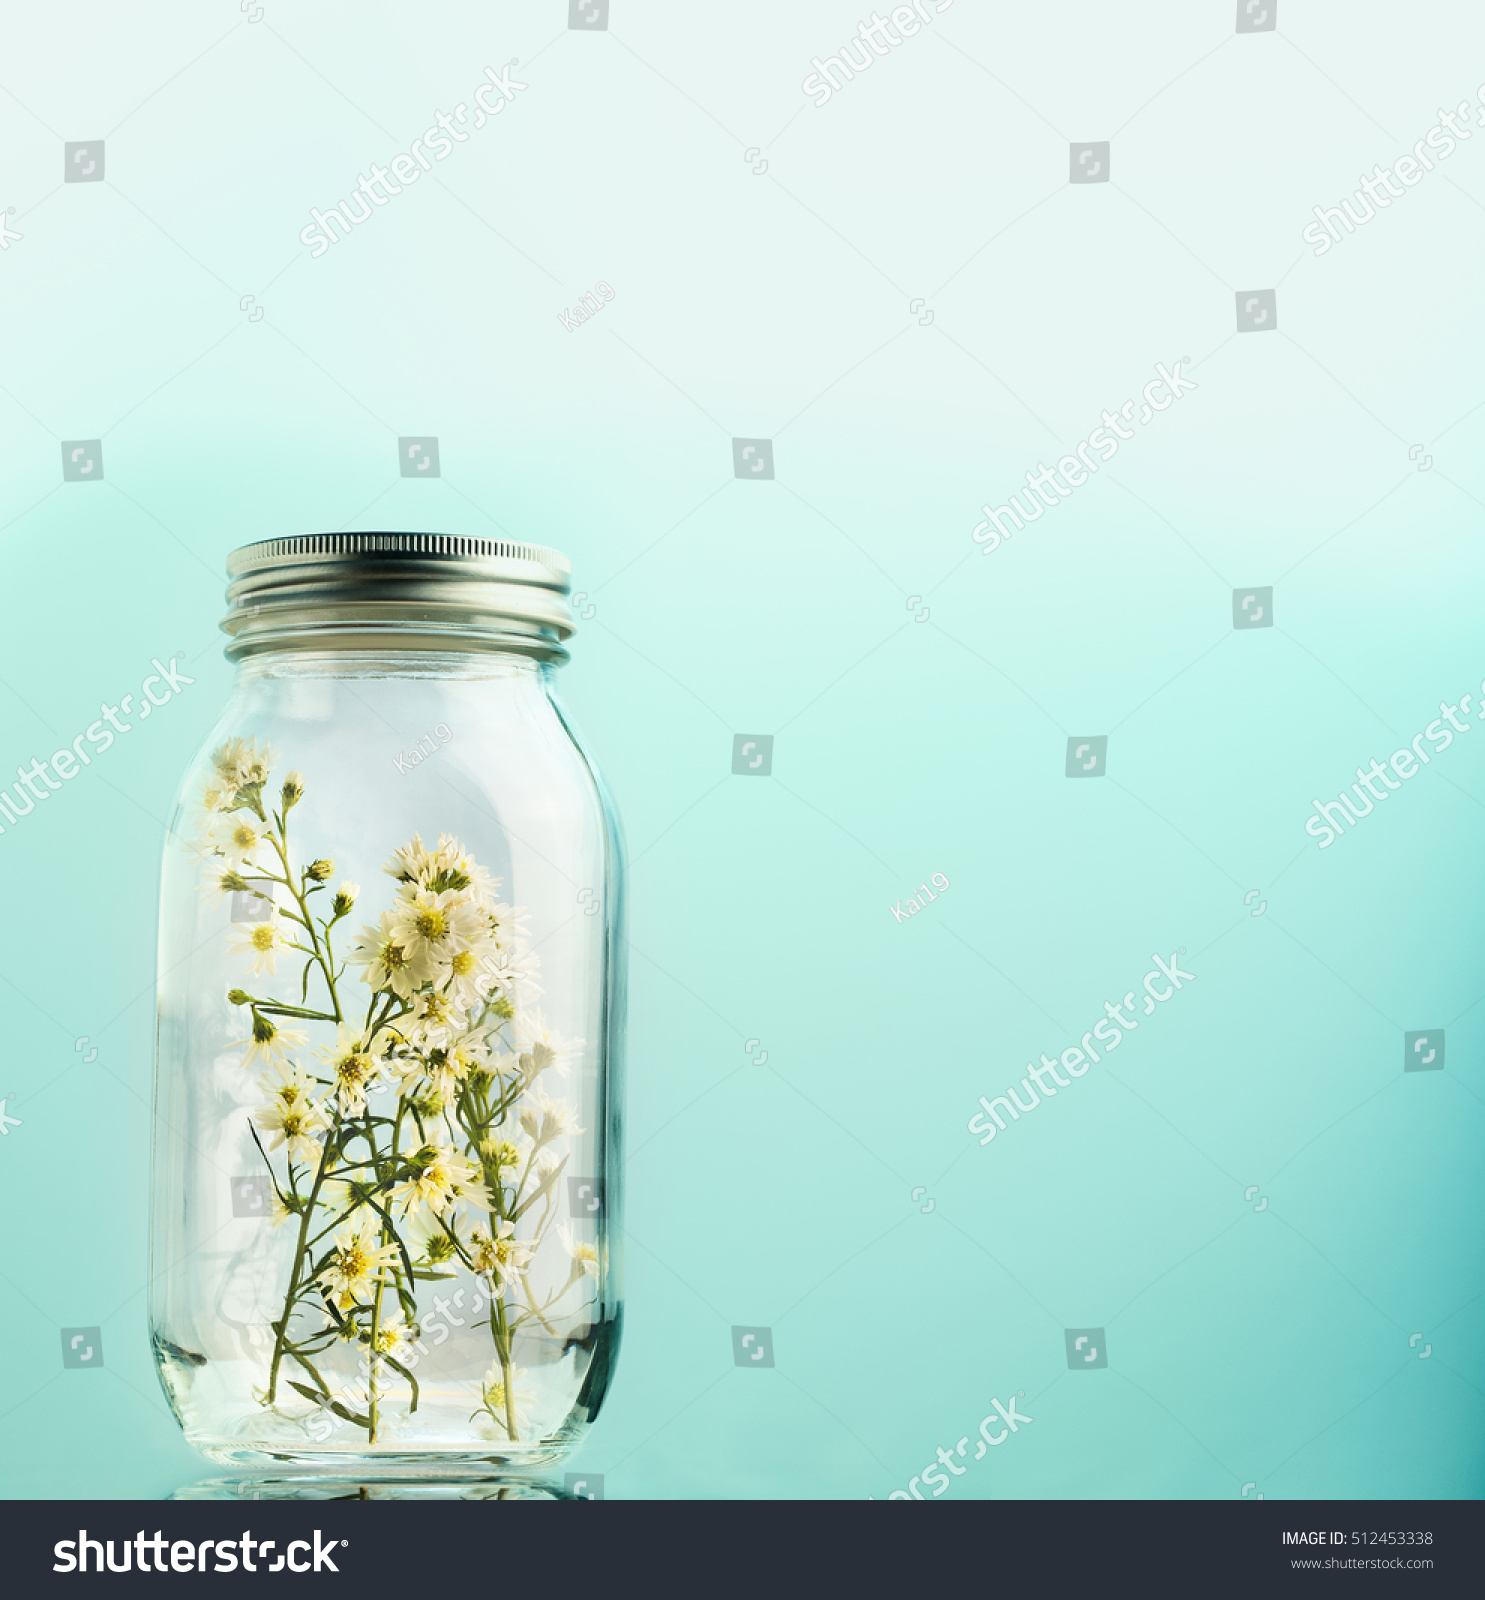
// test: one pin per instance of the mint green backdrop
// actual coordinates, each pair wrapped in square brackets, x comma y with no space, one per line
[1274,1228]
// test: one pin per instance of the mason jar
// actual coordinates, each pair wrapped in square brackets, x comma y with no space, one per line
[390,1022]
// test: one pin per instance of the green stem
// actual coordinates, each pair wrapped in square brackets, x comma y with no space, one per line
[299,1253]
[326,966]
[373,1360]
[500,1333]
[373,1397]
[546,1189]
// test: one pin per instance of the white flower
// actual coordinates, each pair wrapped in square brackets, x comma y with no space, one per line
[278,1211]
[430,1244]
[209,811]
[409,862]
[257,762]
[584,1255]
[352,1068]
[201,848]
[505,1065]
[294,1123]
[385,961]
[496,1253]
[432,928]
[545,1119]
[348,1201]
[262,941]
[394,1338]
[508,924]
[509,967]
[493,1396]
[439,1178]
[546,1048]
[470,1052]
[288,1082]
[269,1045]
[451,866]
[357,1263]
[405,1062]
[388,1041]
[220,880]
[242,761]
[548,1165]
[468,980]
[240,839]
[433,1019]
[443,1076]
[216,796]
[501,1152]
[536,1173]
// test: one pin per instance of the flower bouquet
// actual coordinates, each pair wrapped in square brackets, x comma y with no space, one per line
[418,1139]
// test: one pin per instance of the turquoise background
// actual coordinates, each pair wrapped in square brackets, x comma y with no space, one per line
[772,1182]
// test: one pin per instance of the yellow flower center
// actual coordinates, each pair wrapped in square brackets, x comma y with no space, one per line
[244,836]
[354,1262]
[393,956]
[463,962]
[353,1070]
[431,924]
[263,936]
[293,1123]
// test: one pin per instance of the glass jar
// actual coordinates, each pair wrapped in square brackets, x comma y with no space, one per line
[390,1020]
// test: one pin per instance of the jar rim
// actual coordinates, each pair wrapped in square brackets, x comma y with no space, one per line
[398,590]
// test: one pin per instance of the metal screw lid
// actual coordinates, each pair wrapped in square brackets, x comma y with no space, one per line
[401,591]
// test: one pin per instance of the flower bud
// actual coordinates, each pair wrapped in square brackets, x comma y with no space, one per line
[345,898]
[321,869]
[234,882]
[501,1151]
[238,997]
[263,1029]
[293,789]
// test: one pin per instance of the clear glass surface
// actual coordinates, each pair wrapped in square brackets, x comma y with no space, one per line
[385,1170]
